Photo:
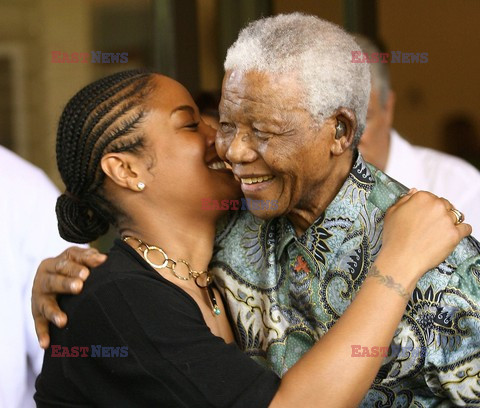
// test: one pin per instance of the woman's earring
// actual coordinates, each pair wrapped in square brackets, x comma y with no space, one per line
[140,186]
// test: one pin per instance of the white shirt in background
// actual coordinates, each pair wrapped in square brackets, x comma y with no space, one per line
[28,234]
[444,175]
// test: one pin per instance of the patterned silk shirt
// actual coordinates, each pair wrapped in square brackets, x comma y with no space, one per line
[285,292]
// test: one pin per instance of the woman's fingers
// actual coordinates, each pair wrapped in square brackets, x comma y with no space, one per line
[464,230]
[421,230]
[405,197]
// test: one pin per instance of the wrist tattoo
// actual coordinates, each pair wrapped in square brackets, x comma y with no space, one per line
[389,282]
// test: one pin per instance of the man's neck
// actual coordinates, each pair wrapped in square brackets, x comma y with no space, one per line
[313,206]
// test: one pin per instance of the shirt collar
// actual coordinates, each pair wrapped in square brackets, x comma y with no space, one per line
[344,208]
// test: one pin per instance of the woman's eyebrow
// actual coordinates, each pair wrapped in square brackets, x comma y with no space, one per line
[187,108]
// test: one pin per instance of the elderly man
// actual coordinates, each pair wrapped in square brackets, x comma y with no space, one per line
[292,111]
[415,166]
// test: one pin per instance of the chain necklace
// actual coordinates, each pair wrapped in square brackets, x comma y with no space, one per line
[171,264]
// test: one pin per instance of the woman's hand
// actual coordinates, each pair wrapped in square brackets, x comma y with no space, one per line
[62,274]
[419,233]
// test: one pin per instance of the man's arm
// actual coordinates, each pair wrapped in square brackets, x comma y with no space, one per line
[423,227]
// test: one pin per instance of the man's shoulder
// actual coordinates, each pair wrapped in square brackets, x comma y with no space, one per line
[386,190]
[466,256]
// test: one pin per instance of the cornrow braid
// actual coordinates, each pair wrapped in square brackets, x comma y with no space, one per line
[101,118]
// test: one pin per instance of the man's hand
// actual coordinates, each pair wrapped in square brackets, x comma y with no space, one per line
[62,274]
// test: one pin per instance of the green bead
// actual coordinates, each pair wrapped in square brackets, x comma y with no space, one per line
[216,310]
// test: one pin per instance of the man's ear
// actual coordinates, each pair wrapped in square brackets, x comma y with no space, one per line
[121,169]
[345,126]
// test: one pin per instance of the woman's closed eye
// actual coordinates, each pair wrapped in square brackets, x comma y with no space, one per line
[192,125]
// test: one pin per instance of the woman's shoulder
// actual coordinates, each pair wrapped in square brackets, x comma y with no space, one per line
[124,277]
[123,262]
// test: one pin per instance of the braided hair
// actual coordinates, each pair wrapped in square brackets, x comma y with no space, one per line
[101,118]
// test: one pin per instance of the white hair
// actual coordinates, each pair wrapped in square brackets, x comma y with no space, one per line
[318,51]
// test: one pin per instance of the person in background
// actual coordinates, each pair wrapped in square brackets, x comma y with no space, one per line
[29,234]
[207,102]
[461,137]
[426,169]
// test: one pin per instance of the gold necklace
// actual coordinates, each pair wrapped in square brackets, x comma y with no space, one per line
[171,264]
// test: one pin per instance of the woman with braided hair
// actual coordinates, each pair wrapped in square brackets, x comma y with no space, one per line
[149,328]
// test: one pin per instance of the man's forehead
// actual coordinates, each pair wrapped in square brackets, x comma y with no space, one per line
[253,77]
[255,87]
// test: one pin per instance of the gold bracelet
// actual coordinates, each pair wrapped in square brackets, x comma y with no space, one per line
[389,282]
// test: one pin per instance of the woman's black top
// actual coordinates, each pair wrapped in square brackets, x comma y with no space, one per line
[134,339]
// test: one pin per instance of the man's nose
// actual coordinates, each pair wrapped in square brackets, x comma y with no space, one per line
[240,149]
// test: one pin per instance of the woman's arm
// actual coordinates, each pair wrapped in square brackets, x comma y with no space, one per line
[334,373]
[419,233]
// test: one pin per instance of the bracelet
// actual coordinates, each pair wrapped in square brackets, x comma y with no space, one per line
[389,282]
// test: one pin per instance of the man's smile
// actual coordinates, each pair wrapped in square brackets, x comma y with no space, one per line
[255,180]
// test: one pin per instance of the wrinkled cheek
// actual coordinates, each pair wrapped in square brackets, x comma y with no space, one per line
[284,194]
[221,146]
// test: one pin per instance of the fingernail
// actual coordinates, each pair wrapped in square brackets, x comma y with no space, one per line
[58,320]
[83,274]
[100,257]
[42,343]
[75,286]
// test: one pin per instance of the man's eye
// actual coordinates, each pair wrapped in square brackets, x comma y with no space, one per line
[261,134]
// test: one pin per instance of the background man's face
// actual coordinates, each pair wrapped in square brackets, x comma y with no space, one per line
[271,141]
[374,143]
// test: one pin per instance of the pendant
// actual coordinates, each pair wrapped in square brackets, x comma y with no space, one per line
[211,295]
[213,301]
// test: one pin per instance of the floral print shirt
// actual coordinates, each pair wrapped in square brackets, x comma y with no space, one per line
[285,292]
